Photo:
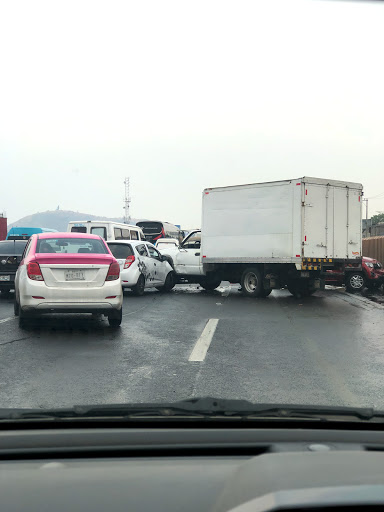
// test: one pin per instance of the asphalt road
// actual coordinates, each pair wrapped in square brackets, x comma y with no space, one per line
[325,349]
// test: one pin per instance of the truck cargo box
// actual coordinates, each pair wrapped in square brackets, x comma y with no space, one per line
[282,221]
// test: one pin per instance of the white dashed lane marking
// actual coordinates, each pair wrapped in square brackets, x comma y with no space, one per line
[202,344]
[6,319]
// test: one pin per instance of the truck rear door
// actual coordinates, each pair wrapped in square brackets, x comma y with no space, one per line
[331,221]
[354,228]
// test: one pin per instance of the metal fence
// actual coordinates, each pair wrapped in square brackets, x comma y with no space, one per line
[373,247]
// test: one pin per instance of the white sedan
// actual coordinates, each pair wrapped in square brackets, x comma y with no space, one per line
[68,273]
[142,266]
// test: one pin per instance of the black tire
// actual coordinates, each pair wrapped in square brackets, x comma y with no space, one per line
[16,307]
[354,282]
[295,289]
[299,289]
[115,318]
[252,282]
[265,292]
[209,285]
[169,283]
[24,319]
[139,287]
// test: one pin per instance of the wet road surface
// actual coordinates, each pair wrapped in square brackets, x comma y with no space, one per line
[325,349]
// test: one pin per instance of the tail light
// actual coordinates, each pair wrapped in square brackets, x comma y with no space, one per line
[113,272]
[129,261]
[34,272]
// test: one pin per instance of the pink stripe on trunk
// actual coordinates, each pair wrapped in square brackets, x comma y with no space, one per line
[74,259]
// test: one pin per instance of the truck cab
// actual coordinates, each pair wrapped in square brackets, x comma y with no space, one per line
[186,259]
[187,262]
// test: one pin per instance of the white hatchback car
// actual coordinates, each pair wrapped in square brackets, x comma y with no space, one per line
[142,266]
[68,273]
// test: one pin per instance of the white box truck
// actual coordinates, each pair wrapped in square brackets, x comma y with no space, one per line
[271,235]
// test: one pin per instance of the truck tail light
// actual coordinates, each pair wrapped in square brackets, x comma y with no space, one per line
[129,261]
[113,272]
[34,272]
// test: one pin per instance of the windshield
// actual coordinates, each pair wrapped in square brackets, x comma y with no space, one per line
[15,248]
[256,129]
[151,228]
[162,245]
[70,246]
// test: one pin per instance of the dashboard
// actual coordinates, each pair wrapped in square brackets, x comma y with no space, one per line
[168,469]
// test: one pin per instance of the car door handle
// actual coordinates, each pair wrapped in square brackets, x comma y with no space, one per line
[197,254]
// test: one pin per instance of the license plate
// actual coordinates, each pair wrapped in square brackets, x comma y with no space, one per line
[74,275]
[5,278]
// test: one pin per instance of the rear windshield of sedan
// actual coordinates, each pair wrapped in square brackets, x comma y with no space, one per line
[12,248]
[121,251]
[70,246]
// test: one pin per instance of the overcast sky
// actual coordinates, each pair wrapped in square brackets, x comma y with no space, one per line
[182,95]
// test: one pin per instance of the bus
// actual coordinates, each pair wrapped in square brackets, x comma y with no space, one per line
[18,233]
[153,230]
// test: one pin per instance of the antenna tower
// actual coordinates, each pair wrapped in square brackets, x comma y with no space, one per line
[127,202]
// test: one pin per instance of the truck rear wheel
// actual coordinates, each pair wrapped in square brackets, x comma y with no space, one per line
[252,283]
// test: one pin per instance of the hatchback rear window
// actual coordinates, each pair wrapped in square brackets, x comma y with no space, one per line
[121,251]
[70,246]
[13,248]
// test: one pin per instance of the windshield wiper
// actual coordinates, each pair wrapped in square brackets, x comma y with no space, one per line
[206,408]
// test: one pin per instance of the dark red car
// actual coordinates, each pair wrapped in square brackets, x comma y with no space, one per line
[371,276]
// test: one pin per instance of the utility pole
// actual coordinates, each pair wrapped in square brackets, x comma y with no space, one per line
[127,201]
[366,217]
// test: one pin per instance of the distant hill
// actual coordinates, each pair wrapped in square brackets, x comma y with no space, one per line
[58,219]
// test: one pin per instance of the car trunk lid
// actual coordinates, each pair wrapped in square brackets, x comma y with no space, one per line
[9,263]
